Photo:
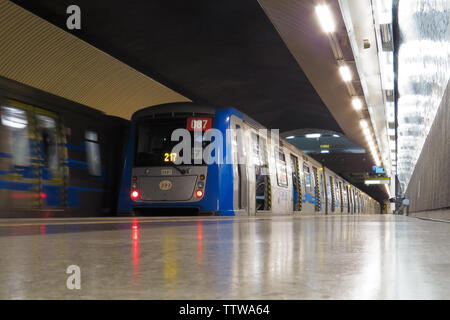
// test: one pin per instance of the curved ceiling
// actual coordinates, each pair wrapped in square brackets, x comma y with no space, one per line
[38,54]
[226,53]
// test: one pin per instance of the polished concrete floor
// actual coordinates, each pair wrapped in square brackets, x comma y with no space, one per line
[322,257]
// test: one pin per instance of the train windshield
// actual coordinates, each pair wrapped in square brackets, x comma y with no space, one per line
[154,147]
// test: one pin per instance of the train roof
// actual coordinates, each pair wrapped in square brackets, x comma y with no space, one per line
[176,107]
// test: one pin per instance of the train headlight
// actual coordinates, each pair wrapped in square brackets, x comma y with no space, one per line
[200,184]
[134,185]
[134,194]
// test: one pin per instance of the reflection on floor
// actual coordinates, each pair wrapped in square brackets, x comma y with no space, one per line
[323,257]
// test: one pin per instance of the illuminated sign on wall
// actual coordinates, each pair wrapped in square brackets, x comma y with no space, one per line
[379,180]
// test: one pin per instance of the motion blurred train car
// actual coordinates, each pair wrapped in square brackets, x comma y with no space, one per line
[57,158]
[262,177]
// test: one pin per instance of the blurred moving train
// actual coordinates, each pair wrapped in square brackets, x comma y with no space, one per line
[263,176]
[57,158]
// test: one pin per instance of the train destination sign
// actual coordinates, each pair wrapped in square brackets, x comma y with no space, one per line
[198,124]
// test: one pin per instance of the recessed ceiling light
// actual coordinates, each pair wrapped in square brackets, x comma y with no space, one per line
[366,131]
[357,104]
[363,124]
[325,18]
[345,72]
[313,135]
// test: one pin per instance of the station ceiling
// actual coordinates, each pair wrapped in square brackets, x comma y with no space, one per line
[224,52]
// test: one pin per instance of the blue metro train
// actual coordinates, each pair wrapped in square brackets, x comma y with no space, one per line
[263,176]
[57,158]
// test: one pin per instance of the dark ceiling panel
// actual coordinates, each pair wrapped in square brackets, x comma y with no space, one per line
[224,52]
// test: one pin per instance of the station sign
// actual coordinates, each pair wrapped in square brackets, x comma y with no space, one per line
[377,180]
[378,169]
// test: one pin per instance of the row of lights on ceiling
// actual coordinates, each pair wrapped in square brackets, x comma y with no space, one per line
[328,26]
[312,136]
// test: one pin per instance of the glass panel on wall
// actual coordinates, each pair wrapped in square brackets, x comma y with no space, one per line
[423,75]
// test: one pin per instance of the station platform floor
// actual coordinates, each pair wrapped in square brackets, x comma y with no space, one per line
[306,257]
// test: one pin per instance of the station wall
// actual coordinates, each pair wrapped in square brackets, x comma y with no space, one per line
[429,187]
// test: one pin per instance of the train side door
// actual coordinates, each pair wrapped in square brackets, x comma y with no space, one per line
[18,189]
[240,172]
[325,191]
[297,191]
[49,153]
[332,198]
[317,189]
[261,173]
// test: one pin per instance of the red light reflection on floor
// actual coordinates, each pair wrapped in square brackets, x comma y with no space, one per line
[199,241]
[135,246]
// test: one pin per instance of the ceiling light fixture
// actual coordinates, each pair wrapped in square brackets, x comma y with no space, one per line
[357,104]
[325,18]
[345,72]
[363,124]
[313,135]
[366,131]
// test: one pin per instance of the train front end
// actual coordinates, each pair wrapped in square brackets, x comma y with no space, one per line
[165,171]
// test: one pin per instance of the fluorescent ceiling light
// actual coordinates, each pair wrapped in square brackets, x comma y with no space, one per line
[324,151]
[345,72]
[376,181]
[336,135]
[366,131]
[357,104]
[313,135]
[325,18]
[290,137]
[372,182]
[363,124]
